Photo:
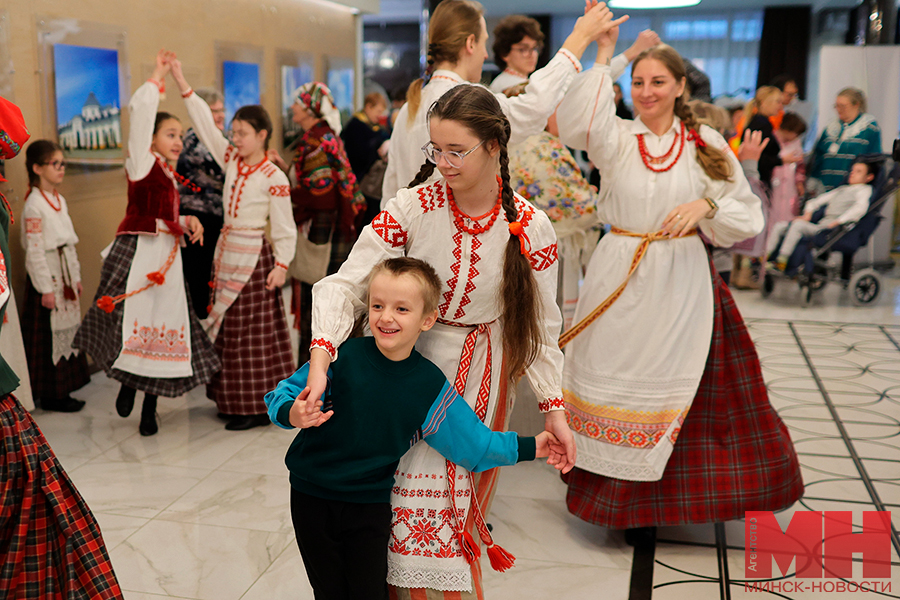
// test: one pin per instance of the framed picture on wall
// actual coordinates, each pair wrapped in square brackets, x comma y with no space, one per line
[340,79]
[240,86]
[84,87]
[294,73]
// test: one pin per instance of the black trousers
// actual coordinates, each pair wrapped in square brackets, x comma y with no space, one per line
[344,546]
[197,261]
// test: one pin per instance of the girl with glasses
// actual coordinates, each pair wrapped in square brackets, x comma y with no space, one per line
[498,320]
[53,287]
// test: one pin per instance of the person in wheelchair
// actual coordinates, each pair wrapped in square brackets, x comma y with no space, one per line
[843,205]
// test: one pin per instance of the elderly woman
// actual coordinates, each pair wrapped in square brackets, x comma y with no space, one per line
[201,196]
[853,133]
[324,191]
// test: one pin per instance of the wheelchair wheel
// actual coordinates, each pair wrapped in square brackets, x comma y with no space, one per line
[768,284]
[865,285]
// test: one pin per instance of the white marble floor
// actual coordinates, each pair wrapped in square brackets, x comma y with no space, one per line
[201,513]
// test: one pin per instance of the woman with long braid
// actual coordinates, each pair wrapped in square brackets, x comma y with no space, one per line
[671,358]
[457,48]
[498,320]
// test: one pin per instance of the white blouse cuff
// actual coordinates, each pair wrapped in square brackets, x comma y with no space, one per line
[326,345]
[552,404]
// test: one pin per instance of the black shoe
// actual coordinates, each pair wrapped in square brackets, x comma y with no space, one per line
[149,424]
[244,422]
[66,405]
[125,401]
[640,536]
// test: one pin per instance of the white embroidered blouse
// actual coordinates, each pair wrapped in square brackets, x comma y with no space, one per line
[46,226]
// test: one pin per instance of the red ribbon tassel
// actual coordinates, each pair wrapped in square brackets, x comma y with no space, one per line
[693,136]
[516,229]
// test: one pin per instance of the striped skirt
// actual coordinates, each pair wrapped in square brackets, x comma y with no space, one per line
[734,453]
[50,544]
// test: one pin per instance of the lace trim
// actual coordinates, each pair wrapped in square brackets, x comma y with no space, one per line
[405,576]
[628,472]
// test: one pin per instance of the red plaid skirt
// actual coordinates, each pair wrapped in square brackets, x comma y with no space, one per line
[50,544]
[48,381]
[254,345]
[733,454]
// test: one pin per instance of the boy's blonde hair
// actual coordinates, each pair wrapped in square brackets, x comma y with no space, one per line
[420,270]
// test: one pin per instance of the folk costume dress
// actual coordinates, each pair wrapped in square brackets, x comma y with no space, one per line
[671,360]
[50,543]
[466,344]
[246,321]
[55,367]
[140,328]
[325,197]
[527,114]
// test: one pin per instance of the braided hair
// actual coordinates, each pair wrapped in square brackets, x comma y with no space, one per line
[713,161]
[476,108]
[451,24]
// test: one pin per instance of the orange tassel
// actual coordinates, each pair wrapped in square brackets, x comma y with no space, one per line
[469,548]
[106,304]
[501,560]
[156,277]
[209,308]
[211,284]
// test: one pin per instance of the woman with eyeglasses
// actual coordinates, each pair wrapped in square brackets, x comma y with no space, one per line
[52,311]
[203,199]
[518,41]
[853,133]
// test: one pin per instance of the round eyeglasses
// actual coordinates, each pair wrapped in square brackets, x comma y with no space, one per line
[454,159]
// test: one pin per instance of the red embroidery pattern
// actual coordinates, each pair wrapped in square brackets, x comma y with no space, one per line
[470,286]
[451,283]
[543,258]
[280,190]
[157,344]
[525,212]
[268,169]
[429,533]
[435,196]
[33,226]
[324,345]
[646,436]
[230,153]
[548,405]
[389,229]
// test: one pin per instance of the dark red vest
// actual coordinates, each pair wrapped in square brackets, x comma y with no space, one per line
[153,197]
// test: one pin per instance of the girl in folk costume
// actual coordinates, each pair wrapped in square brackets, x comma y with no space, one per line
[141,328]
[498,320]
[52,543]
[457,48]
[324,191]
[686,365]
[246,314]
[53,287]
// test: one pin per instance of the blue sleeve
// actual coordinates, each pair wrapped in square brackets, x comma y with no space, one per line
[453,429]
[280,400]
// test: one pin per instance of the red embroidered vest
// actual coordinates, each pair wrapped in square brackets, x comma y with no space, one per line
[153,197]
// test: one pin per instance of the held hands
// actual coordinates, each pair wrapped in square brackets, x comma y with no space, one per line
[178,76]
[276,278]
[276,159]
[307,412]
[562,454]
[752,145]
[48,301]
[596,23]
[685,217]
[163,65]
[645,40]
[606,28]
[196,229]
[547,446]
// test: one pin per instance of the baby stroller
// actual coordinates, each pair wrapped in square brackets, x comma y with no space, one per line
[809,264]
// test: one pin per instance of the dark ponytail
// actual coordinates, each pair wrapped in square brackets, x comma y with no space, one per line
[476,108]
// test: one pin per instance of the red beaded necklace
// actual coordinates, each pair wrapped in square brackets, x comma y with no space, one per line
[58,206]
[183,180]
[459,217]
[650,160]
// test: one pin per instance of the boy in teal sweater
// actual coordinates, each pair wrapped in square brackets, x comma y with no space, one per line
[383,397]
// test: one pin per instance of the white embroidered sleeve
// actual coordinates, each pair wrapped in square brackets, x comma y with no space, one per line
[392,184]
[206,129]
[141,118]
[587,116]
[545,373]
[281,219]
[740,210]
[528,112]
[35,254]
[617,66]
[339,299]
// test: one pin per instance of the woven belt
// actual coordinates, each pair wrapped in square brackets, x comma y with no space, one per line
[646,240]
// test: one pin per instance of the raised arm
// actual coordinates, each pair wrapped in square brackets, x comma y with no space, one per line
[142,116]
[201,116]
